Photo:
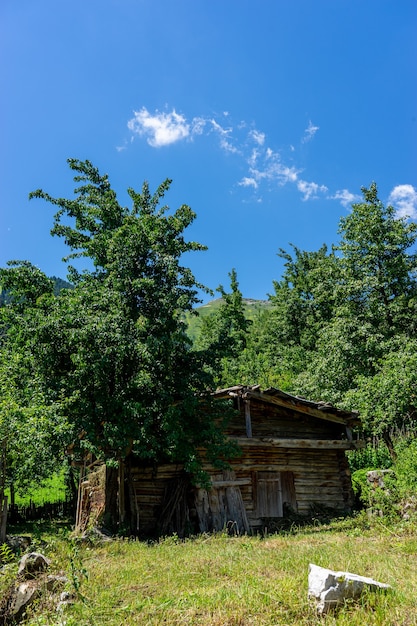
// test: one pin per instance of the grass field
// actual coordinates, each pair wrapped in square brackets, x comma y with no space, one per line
[216,580]
[51,490]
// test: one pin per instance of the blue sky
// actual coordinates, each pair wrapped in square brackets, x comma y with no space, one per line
[269,116]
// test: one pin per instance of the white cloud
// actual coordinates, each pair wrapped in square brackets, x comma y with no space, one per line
[198,125]
[161,129]
[264,166]
[275,172]
[228,147]
[253,157]
[248,182]
[310,190]
[309,132]
[404,199]
[257,137]
[224,134]
[345,197]
[219,129]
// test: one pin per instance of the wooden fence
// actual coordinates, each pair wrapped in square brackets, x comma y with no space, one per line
[47,510]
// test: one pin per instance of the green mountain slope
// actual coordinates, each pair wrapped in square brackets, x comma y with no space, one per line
[252,309]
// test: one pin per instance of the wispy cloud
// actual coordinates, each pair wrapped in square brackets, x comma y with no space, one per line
[346,197]
[257,137]
[265,167]
[310,190]
[309,132]
[404,199]
[247,181]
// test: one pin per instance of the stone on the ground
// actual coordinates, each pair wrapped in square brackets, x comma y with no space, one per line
[23,595]
[65,600]
[18,543]
[330,589]
[32,564]
[55,582]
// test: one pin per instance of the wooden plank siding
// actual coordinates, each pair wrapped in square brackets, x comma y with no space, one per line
[292,458]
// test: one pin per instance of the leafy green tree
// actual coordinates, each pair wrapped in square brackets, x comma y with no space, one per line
[223,335]
[113,350]
[32,430]
[367,347]
[281,339]
[305,297]
[387,400]
[379,266]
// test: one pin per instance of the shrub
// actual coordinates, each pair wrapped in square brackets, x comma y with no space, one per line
[373,456]
[406,467]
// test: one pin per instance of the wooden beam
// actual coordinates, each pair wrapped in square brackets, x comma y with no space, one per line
[237,482]
[121,491]
[272,442]
[248,419]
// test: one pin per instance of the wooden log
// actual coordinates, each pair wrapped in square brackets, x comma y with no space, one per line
[322,444]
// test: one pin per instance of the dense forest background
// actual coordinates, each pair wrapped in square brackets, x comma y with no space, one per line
[119,358]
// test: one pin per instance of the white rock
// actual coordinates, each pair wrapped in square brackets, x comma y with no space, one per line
[24,594]
[329,589]
[32,564]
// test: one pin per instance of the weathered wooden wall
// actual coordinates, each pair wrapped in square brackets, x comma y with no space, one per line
[274,421]
[258,486]
[291,459]
[320,477]
[158,499]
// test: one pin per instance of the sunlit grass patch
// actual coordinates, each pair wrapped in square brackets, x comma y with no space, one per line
[243,581]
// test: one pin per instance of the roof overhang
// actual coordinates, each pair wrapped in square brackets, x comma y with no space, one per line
[274,396]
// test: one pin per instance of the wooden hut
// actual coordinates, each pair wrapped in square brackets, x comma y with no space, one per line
[292,459]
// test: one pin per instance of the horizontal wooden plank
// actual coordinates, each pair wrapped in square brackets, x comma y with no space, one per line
[322,444]
[231,483]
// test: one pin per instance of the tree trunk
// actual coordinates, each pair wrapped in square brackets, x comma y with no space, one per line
[3,498]
[111,515]
[386,436]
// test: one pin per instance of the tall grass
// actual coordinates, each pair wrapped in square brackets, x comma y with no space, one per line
[240,581]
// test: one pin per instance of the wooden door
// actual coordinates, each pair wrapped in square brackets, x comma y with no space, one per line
[222,506]
[273,490]
[269,494]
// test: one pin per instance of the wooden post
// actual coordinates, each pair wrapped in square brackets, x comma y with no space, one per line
[3,523]
[121,491]
[248,419]
[78,512]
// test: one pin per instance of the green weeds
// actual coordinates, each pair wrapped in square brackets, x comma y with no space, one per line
[217,580]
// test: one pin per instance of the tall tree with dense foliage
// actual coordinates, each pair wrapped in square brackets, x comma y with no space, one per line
[113,352]
[305,298]
[282,337]
[33,431]
[379,265]
[370,338]
[223,334]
